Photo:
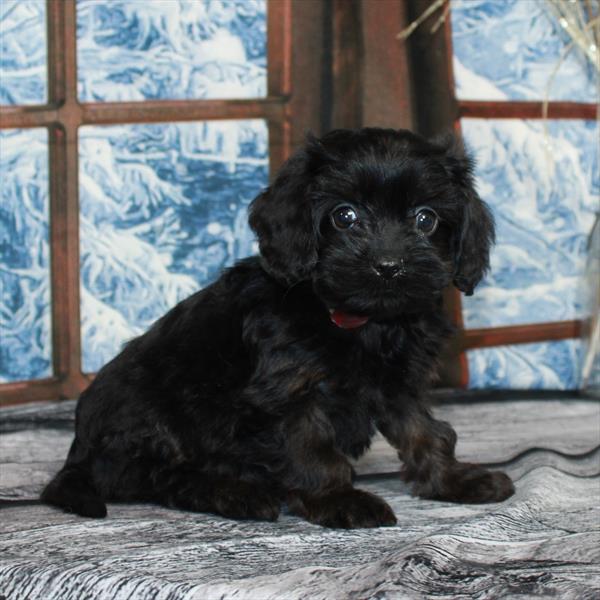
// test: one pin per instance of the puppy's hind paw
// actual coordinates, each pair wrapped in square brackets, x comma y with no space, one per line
[240,500]
[347,508]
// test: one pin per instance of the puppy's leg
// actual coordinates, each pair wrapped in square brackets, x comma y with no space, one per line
[319,479]
[426,446]
[186,488]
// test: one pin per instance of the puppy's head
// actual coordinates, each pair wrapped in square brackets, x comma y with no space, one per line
[380,221]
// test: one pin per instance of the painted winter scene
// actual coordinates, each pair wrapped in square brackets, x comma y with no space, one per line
[25,328]
[129,50]
[518,50]
[23,55]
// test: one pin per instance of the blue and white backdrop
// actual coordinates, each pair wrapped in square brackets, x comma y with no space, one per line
[163,207]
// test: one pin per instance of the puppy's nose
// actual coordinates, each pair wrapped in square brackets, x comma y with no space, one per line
[388,269]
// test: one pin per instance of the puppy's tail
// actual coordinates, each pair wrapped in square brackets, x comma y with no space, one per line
[72,490]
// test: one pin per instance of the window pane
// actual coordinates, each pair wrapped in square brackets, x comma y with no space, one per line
[163,210]
[548,365]
[509,49]
[171,49]
[25,352]
[23,52]
[543,189]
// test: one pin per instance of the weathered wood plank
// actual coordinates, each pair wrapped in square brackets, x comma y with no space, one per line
[29,458]
[542,542]
[500,430]
[37,414]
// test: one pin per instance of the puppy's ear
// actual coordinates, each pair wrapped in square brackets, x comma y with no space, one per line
[281,217]
[475,236]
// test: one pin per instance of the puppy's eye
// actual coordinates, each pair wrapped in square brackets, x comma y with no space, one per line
[426,221]
[343,217]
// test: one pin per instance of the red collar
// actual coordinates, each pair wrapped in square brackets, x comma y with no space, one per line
[346,320]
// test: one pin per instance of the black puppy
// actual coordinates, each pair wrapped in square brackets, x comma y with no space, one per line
[257,389]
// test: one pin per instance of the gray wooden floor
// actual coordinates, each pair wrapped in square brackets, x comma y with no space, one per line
[543,542]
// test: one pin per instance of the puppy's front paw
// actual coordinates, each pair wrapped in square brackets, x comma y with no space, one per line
[471,484]
[344,509]
[480,486]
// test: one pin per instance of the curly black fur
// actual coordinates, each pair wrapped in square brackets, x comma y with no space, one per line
[247,394]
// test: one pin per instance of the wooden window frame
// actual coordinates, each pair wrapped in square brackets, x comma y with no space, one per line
[62,116]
